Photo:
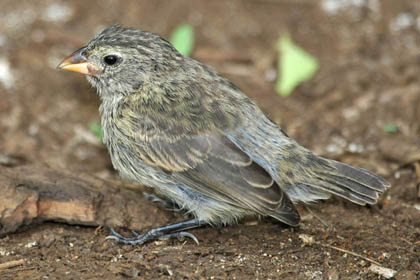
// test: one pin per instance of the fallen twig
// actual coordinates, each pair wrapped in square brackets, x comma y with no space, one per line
[308,239]
[348,252]
[11,264]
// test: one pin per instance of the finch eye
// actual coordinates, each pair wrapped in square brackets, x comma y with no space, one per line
[111,59]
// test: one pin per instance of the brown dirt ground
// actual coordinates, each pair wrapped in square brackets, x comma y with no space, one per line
[370,66]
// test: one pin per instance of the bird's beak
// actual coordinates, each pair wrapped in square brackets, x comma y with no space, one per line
[77,62]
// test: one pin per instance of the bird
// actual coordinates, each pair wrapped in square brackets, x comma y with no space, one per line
[174,124]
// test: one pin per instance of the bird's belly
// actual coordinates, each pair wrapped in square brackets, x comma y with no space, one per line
[131,167]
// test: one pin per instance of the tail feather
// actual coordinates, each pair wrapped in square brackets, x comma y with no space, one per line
[364,176]
[329,188]
[355,184]
[344,191]
[328,177]
[351,184]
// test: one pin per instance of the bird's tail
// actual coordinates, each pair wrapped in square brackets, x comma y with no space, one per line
[325,177]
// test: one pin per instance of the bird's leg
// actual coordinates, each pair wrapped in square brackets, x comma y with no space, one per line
[165,203]
[162,233]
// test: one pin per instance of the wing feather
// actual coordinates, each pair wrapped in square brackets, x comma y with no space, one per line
[206,161]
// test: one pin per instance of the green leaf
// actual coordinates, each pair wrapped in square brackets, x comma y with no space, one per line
[390,128]
[97,130]
[182,39]
[295,66]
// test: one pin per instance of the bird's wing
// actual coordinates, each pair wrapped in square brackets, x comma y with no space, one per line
[207,162]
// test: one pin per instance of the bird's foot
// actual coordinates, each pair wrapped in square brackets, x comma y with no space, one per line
[160,233]
[140,239]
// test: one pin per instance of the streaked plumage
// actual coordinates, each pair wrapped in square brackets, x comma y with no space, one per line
[174,124]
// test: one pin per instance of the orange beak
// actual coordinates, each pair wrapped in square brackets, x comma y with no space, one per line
[77,62]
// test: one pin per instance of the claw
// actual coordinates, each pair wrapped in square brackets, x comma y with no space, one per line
[114,233]
[135,233]
[183,234]
[112,237]
[180,236]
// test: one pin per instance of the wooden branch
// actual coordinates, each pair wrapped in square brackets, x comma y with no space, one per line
[33,194]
